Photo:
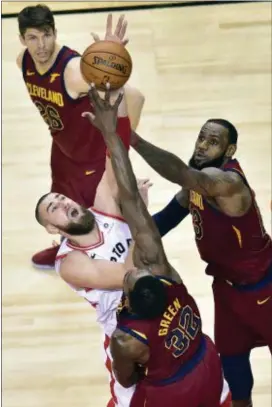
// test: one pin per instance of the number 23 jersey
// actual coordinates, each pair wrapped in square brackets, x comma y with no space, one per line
[236,248]
[112,245]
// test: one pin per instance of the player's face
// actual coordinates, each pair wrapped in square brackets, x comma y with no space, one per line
[40,43]
[66,215]
[211,146]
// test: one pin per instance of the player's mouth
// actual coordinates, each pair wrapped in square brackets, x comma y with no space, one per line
[42,54]
[200,156]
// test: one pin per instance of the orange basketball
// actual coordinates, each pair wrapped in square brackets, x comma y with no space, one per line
[106,61]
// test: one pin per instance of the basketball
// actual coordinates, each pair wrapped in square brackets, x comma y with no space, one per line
[106,61]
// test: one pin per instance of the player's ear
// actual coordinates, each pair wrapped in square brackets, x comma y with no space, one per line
[231,150]
[53,230]
[22,40]
[56,33]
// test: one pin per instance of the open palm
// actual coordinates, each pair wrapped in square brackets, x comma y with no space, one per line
[119,32]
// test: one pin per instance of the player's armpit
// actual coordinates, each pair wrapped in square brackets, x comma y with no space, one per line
[127,353]
[183,198]
[81,271]
[74,82]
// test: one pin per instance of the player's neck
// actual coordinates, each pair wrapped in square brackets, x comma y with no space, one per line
[88,240]
[226,160]
[43,68]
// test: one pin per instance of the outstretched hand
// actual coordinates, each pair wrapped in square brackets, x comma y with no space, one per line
[143,187]
[105,114]
[119,33]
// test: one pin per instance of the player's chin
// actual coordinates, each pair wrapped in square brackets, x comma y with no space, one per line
[43,59]
[200,164]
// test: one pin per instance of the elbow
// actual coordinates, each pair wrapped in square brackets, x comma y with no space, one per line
[126,382]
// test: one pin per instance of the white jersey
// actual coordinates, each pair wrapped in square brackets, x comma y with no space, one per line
[113,244]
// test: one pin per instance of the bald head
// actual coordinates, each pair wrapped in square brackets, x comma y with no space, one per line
[146,294]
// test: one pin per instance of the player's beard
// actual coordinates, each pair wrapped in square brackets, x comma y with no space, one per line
[217,162]
[83,226]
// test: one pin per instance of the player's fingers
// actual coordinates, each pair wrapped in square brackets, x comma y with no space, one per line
[148,184]
[88,115]
[109,25]
[118,100]
[119,25]
[123,30]
[107,93]
[145,180]
[142,181]
[94,95]
[125,42]
[95,37]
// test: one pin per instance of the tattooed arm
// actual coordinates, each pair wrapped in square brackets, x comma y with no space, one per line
[208,182]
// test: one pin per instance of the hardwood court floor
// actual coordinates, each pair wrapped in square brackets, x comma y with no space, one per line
[191,64]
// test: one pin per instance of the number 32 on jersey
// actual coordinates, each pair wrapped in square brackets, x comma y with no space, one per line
[179,338]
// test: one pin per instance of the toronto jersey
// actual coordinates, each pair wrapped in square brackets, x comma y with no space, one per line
[78,140]
[173,338]
[113,243]
[236,248]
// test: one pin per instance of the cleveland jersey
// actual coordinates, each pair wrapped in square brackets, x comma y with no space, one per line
[80,141]
[173,339]
[114,240]
[235,248]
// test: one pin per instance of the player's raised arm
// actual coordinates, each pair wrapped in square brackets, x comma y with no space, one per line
[77,86]
[74,81]
[148,246]
[208,182]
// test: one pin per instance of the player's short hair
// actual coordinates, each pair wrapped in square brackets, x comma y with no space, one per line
[39,16]
[37,211]
[148,299]
[233,134]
